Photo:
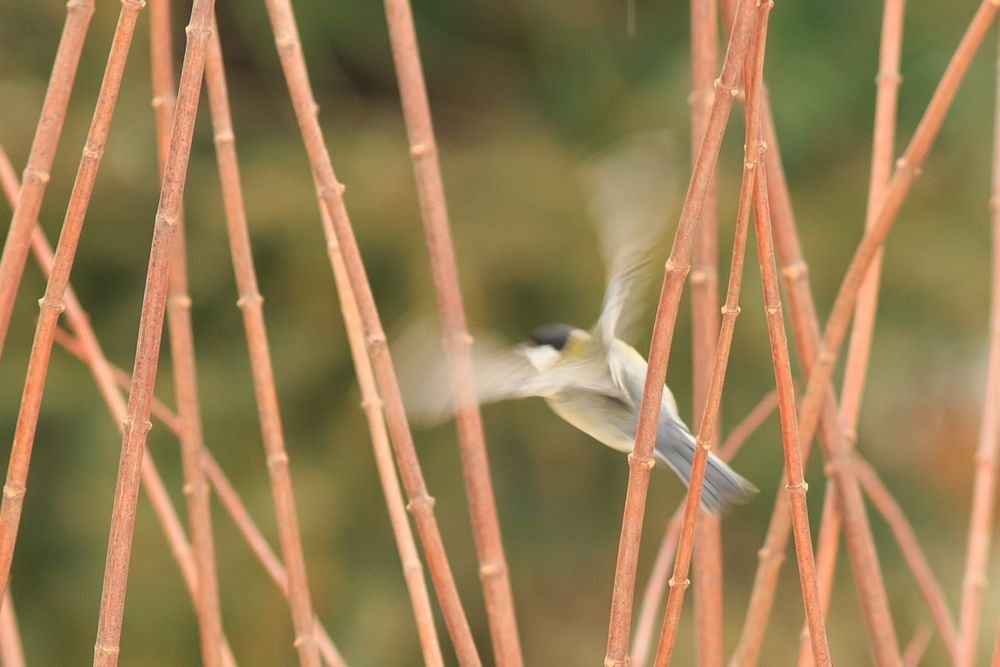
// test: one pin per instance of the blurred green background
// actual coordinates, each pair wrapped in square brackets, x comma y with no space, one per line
[521,93]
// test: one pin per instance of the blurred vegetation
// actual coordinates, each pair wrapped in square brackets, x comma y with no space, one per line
[521,93]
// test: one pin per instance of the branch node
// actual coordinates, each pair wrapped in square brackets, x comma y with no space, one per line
[285,42]
[35,175]
[137,4]
[104,649]
[730,310]
[180,301]
[254,299]
[371,404]
[277,459]
[801,487]
[681,585]
[169,220]
[194,32]
[420,502]
[48,302]
[490,570]
[90,153]
[648,461]
[772,310]
[719,84]
[421,149]
[375,340]
[164,100]
[224,138]
[303,640]
[796,270]
[903,164]
[889,76]
[128,426]
[14,491]
[698,277]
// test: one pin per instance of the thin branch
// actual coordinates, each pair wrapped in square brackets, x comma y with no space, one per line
[52,303]
[11,649]
[753,69]
[657,582]
[708,601]
[914,556]
[183,357]
[41,157]
[250,303]
[640,460]
[339,231]
[137,424]
[984,486]
[859,349]
[493,571]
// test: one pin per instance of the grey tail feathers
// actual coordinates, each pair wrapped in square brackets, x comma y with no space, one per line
[723,486]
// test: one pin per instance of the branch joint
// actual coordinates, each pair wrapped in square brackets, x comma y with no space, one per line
[35,175]
[647,461]
[424,501]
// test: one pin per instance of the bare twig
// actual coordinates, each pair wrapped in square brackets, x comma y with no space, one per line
[52,303]
[914,556]
[653,594]
[330,192]
[883,140]
[984,488]
[753,69]
[183,357]
[137,424]
[493,569]
[640,460]
[704,279]
[11,650]
[250,303]
[41,157]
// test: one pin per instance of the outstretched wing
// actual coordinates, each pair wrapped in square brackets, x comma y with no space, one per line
[631,188]
[501,373]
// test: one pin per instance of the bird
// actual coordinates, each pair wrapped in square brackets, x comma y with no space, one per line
[591,378]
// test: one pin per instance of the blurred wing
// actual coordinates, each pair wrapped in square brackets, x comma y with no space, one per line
[501,373]
[632,187]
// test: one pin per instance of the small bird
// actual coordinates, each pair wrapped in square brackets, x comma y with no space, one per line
[591,379]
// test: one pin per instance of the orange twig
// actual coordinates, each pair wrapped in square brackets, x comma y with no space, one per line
[11,650]
[183,357]
[41,157]
[984,487]
[250,303]
[676,269]
[704,279]
[493,571]
[915,650]
[137,424]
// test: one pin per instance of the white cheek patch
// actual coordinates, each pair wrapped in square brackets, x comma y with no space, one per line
[542,357]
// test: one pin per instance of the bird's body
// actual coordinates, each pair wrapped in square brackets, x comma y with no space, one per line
[611,416]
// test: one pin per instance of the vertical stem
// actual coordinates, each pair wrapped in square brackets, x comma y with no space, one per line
[704,278]
[136,425]
[676,269]
[493,569]
[183,358]
[11,649]
[984,487]
[52,303]
[250,303]
[330,191]
[752,68]
[41,157]
[859,348]
[796,484]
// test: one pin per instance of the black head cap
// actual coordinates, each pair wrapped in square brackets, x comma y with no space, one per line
[553,335]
